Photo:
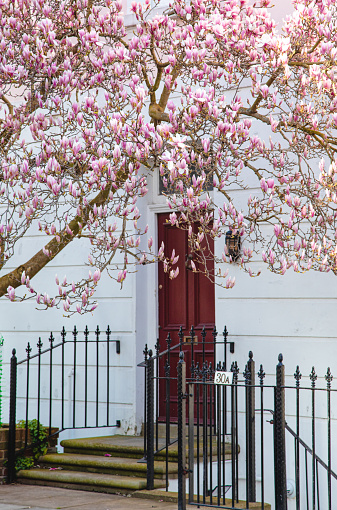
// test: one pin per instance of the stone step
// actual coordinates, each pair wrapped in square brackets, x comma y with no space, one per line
[172,497]
[97,482]
[127,447]
[106,465]
[161,429]
[116,446]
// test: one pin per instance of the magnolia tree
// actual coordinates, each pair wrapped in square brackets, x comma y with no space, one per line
[88,114]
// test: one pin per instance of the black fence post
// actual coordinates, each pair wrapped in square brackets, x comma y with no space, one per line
[150,422]
[191,440]
[280,473]
[251,454]
[246,375]
[181,368]
[12,419]
[145,352]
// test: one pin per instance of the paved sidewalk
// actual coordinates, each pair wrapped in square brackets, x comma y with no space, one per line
[34,497]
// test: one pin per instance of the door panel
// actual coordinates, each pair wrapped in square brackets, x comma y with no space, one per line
[185,301]
[173,305]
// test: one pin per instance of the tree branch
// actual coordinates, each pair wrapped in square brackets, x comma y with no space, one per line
[157,113]
[258,100]
[8,103]
[154,56]
[40,259]
[166,92]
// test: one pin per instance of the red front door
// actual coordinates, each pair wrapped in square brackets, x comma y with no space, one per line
[185,301]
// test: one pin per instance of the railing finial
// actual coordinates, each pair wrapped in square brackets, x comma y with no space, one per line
[328,378]
[297,375]
[313,376]
[261,374]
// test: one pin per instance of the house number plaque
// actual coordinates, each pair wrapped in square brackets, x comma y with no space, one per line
[223,378]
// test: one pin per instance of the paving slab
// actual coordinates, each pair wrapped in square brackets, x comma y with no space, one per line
[33,497]
[5,506]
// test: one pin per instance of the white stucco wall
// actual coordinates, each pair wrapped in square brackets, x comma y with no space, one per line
[21,323]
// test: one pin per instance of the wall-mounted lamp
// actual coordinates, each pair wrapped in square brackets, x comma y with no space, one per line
[233,244]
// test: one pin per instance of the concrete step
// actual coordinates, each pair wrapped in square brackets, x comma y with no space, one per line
[161,427]
[173,429]
[172,497]
[97,482]
[106,465]
[116,446]
[127,447]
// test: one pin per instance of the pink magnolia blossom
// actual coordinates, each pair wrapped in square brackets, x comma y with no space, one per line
[104,118]
[11,293]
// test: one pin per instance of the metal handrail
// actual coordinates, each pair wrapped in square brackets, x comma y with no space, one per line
[301,442]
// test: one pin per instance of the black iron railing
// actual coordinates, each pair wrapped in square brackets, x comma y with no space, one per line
[168,380]
[310,493]
[228,403]
[237,412]
[221,488]
[313,492]
[70,352]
